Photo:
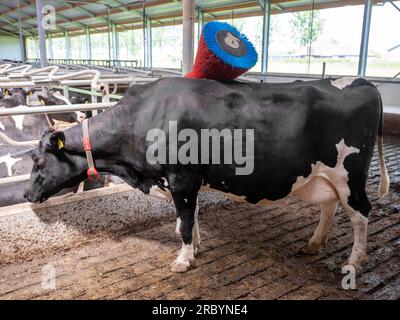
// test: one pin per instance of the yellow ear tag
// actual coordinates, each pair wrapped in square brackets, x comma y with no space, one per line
[60,144]
[30,93]
[42,102]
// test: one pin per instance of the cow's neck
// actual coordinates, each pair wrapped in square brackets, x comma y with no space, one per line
[105,136]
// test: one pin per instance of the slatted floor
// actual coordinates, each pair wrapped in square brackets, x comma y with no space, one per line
[247,253]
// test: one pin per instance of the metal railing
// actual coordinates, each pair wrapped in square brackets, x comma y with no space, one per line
[89,62]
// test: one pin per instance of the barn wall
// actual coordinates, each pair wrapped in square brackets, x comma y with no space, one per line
[10,48]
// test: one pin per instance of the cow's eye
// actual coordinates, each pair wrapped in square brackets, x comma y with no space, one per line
[37,161]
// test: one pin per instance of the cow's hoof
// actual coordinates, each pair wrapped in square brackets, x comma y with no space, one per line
[309,249]
[324,242]
[357,268]
[358,262]
[179,266]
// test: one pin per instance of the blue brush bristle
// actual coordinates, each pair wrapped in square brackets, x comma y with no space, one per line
[245,62]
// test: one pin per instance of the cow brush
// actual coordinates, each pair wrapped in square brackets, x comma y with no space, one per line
[223,53]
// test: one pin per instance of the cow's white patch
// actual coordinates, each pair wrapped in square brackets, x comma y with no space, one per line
[9,161]
[324,183]
[19,120]
[165,182]
[343,82]
[158,193]
[178,226]
[2,126]
[185,258]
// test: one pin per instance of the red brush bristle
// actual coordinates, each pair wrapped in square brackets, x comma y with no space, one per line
[208,66]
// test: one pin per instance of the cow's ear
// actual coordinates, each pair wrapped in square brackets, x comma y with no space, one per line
[29,92]
[43,100]
[57,140]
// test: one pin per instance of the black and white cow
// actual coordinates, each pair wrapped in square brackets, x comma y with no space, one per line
[14,97]
[312,140]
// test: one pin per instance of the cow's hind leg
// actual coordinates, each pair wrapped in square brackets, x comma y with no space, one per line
[357,208]
[328,210]
[359,250]
[319,191]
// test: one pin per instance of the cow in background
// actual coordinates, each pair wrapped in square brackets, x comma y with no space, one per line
[15,97]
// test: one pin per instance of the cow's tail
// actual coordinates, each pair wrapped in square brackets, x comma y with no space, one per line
[384,182]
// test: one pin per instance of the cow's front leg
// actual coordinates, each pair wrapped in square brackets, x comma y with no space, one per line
[196,229]
[186,206]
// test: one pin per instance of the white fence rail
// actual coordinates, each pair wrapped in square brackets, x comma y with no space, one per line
[23,110]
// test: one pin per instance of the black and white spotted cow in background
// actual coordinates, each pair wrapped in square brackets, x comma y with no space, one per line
[14,97]
[312,140]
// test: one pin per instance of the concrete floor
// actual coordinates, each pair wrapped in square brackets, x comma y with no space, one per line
[247,252]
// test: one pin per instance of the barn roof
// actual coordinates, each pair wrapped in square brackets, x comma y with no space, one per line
[75,16]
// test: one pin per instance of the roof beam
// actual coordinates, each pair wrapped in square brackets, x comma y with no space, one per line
[123,7]
[66,6]
[8,32]
[89,13]
[133,7]
[242,5]
[10,10]
[11,21]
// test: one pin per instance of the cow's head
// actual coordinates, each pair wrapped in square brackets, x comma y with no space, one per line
[19,94]
[54,169]
[74,116]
